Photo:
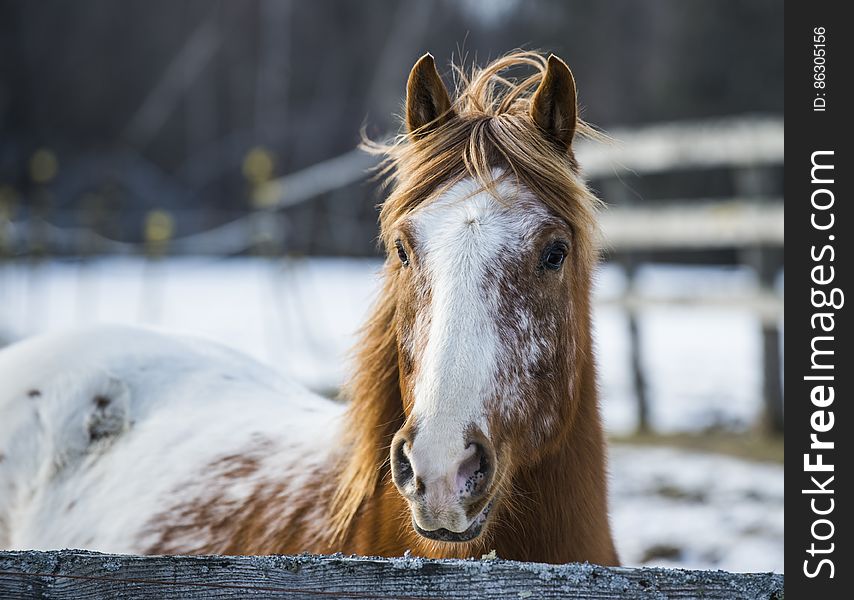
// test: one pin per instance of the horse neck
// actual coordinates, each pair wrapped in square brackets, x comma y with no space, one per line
[559,509]
[561,514]
[562,507]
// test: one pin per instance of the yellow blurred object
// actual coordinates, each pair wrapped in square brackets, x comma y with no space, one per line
[159,226]
[266,195]
[258,166]
[43,166]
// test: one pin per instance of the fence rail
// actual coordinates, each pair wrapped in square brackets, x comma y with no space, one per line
[701,224]
[76,574]
[743,141]
[752,141]
[737,142]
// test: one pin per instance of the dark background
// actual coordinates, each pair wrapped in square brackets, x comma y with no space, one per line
[155,105]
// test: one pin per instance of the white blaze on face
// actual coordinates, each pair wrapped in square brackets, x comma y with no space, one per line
[462,239]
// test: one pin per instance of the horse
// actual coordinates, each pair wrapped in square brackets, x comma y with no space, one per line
[472,422]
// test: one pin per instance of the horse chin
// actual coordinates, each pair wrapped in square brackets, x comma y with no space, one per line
[446,535]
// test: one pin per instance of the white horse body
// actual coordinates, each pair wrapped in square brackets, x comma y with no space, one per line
[102,431]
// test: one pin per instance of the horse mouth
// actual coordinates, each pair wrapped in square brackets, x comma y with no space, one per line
[446,535]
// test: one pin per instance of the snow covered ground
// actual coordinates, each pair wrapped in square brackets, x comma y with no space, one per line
[685,509]
[703,366]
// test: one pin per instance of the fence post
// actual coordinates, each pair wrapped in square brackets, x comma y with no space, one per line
[756,181]
[635,358]
[768,262]
[616,194]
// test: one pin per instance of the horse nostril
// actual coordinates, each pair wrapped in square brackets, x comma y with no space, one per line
[475,473]
[401,467]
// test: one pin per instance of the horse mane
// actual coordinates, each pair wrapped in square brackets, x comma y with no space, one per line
[492,127]
[374,414]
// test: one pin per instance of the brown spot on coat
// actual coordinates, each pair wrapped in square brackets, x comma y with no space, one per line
[275,518]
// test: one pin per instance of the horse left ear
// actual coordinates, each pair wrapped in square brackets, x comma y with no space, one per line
[428,105]
[554,104]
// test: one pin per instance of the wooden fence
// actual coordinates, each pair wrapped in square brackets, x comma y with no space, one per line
[74,574]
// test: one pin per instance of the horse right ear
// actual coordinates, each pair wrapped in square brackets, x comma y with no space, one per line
[554,104]
[428,105]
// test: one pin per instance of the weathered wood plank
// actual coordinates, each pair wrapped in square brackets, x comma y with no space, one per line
[86,575]
[694,224]
[661,147]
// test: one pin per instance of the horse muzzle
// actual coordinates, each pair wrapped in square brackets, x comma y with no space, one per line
[450,493]
[446,535]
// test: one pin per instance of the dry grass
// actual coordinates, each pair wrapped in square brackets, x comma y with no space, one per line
[751,445]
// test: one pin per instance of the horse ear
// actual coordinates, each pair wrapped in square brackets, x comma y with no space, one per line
[554,104]
[428,105]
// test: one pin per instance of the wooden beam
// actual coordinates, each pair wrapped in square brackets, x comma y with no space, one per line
[78,574]
[714,143]
[694,224]
[766,304]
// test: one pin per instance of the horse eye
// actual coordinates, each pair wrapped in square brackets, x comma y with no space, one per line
[401,253]
[554,256]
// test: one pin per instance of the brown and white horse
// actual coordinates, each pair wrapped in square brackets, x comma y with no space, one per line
[472,422]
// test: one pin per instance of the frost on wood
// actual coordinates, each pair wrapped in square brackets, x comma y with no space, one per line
[78,574]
